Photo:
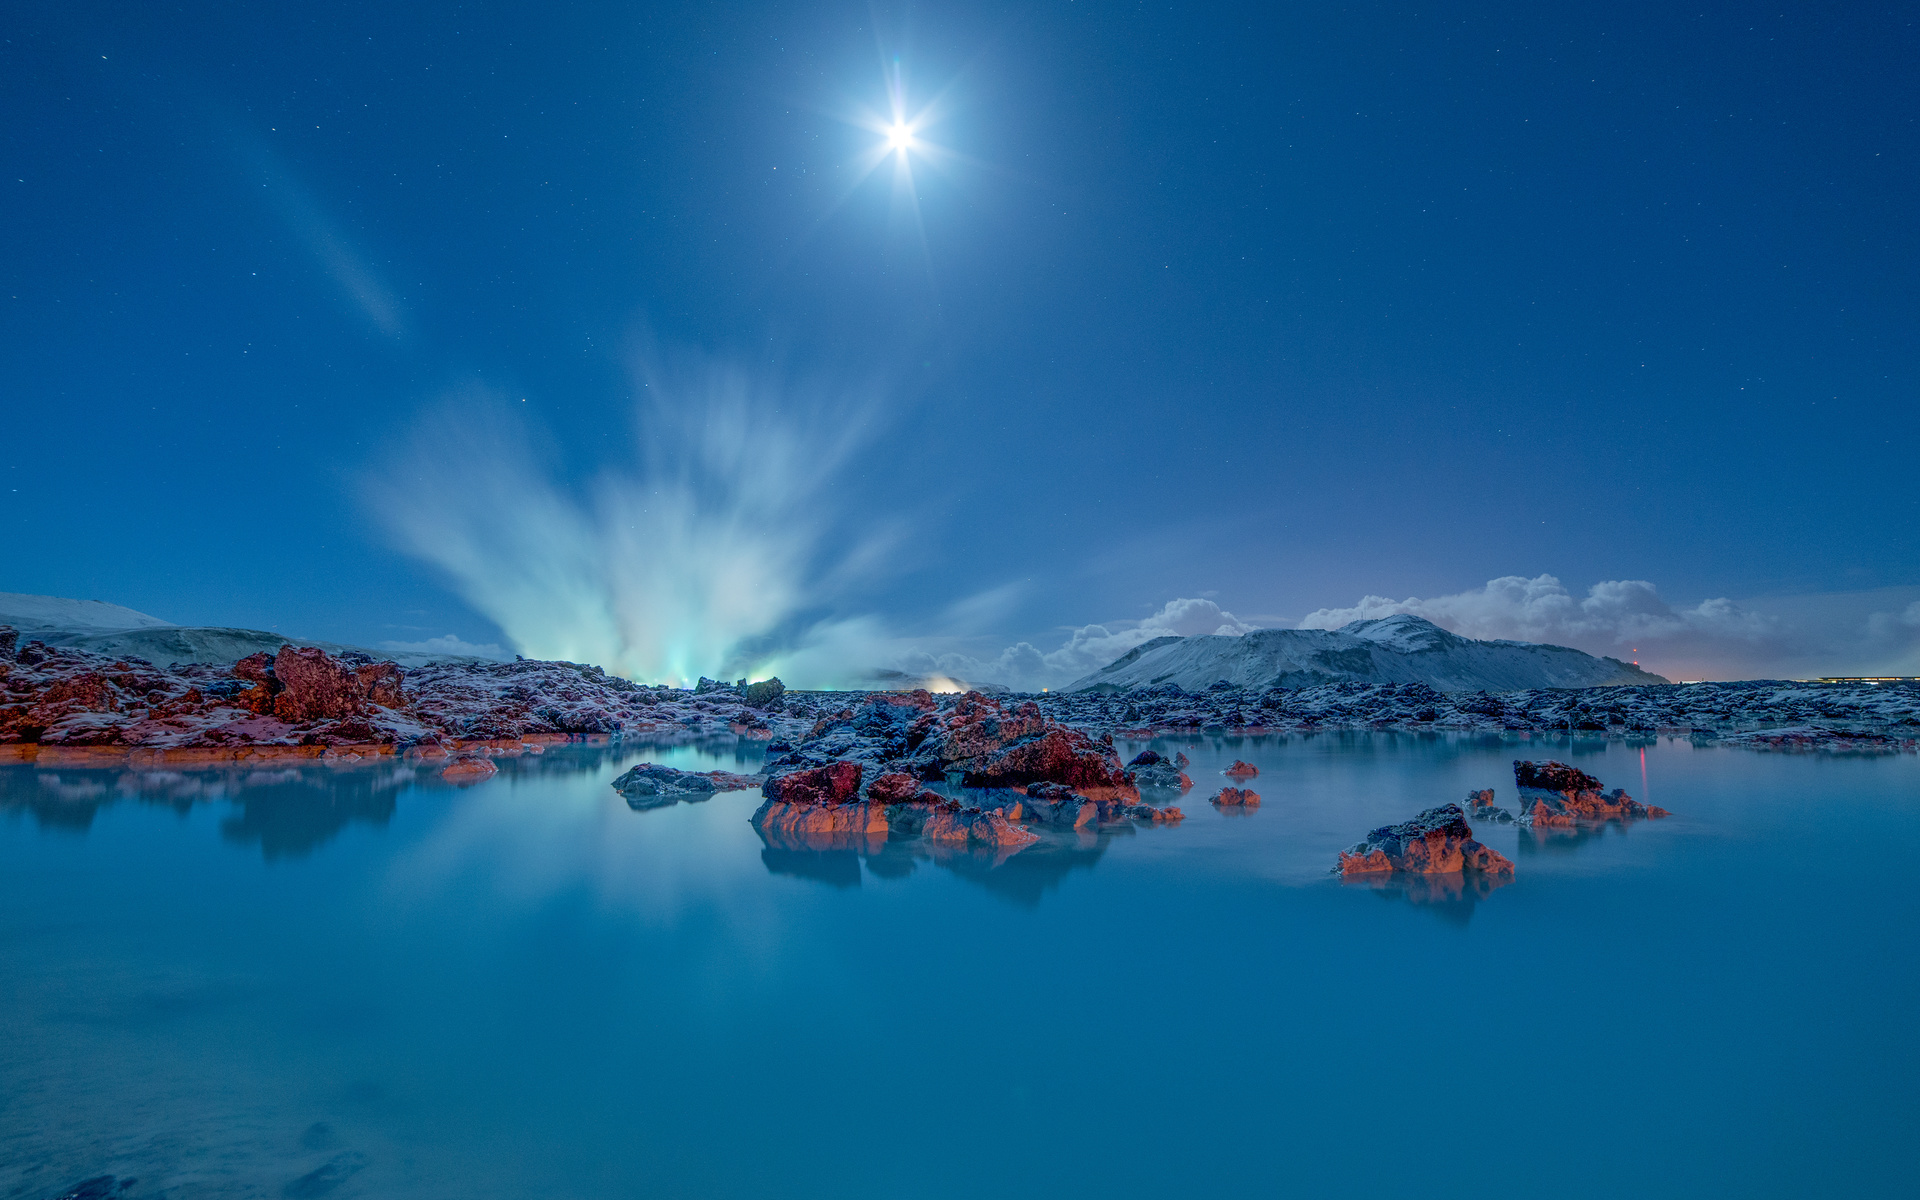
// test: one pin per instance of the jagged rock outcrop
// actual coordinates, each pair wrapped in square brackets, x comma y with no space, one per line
[1553,793]
[834,784]
[1438,841]
[1241,770]
[763,693]
[974,737]
[1233,797]
[1480,807]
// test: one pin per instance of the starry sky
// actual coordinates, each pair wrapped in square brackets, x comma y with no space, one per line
[319,317]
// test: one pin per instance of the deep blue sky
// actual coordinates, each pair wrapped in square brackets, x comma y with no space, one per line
[1282,303]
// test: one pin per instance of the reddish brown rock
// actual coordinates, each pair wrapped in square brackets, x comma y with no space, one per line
[314,686]
[1059,755]
[1438,841]
[380,683]
[1553,793]
[256,669]
[975,727]
[897,787]
[1236,798]
[801,825]
[86,691]
[1553,777]
[835,783]
[1241,770]
[982,827]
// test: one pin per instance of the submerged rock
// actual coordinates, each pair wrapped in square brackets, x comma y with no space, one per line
[1553,793]
[1437,842]
[468,770]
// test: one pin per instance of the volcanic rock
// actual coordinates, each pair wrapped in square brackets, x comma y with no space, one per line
[836,783]
[1059,755]
[650,785]
[1241,770]
[1480,807]
[314,686]
[1236,798]
[975,826]
[762,693]
[808,826]
[898,787]
[1553,793]
[1438,841]
[1152,770]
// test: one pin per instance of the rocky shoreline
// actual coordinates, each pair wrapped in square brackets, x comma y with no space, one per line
[63,704]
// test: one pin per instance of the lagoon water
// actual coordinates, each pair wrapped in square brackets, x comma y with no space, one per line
[365,982]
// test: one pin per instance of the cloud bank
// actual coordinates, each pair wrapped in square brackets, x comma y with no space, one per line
[1839,633]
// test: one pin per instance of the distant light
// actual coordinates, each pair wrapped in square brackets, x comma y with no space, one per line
[900,136]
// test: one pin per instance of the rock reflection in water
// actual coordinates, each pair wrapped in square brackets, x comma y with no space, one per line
[1565,839]
[292,808]
[1020,874]
[1450,897]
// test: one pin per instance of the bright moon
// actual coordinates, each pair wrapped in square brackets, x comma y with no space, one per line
[899,136]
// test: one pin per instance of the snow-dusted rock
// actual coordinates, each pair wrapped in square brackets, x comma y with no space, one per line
[1480,807]
[1837,717]
[1553,793]
[651,785]
[1438,841]
[1152,772]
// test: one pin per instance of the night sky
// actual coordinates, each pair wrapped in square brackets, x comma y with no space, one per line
[355,320]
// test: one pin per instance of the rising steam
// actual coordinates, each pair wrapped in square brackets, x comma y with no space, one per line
[704,554]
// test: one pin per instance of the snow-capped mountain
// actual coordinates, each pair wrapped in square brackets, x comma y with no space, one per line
[29,613]
[102,628]
[1397,649]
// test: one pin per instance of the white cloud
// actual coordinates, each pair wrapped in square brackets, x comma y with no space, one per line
[1620,612]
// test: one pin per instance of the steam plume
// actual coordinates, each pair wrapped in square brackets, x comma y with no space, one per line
[705,554]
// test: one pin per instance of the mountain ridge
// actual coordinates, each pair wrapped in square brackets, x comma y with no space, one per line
[1397,649]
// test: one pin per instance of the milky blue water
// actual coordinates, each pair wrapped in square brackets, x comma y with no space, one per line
[364,982]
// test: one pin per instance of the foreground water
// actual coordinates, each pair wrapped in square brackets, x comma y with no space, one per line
[364,982]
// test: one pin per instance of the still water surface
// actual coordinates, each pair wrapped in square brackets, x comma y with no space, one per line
[365,982]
